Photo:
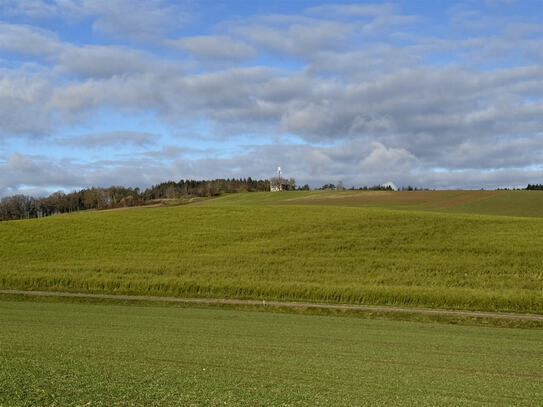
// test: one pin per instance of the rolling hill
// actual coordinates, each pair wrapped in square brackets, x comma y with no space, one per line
[336,247]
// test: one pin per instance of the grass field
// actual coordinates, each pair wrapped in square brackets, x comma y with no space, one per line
[256,246]
[508,203]
[109,355]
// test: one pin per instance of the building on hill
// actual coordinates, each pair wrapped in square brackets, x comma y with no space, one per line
[279,183]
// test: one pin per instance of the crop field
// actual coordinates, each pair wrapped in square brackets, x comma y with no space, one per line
[110,355]
[509,203]
[252,246]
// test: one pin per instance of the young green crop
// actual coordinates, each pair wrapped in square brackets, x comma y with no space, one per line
[306,253]
[98,355]
[508,203]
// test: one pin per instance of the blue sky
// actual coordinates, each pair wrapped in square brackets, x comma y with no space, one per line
[436,94]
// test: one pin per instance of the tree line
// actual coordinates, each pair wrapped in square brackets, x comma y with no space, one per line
[535,187]
[341,187]
[25,207]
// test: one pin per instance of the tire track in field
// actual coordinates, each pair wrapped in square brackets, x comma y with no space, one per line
[374,308]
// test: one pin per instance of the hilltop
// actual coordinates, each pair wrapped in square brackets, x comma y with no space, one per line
[498,202]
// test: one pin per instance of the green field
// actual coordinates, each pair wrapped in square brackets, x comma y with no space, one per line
[328,249]
[508,203]
[109,355]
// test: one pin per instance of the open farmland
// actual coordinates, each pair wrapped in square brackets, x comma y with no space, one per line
[508,203]
[105,355]
[238,247]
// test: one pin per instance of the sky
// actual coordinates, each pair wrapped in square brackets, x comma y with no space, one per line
[429,93]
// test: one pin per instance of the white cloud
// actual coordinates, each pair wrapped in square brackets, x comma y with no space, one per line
[134,19]
[22,163]
[110,138]
[395,158]
[381,16]
[299,40]
[28,40]
[36,9]
[139,19]
[367,103]
[215,47]
[23,100]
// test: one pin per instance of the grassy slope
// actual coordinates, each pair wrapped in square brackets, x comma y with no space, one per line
[316,253]
[509,203]
[66,354]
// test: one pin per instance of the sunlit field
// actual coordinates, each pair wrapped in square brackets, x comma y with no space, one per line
[508,203]
[110,355]
[239,247]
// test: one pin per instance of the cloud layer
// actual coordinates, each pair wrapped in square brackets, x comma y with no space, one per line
[353,92]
